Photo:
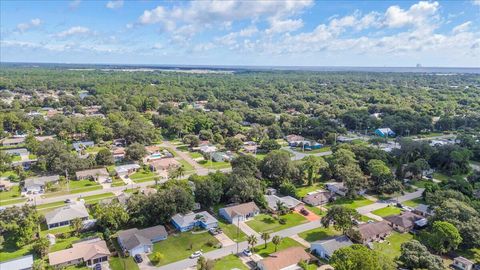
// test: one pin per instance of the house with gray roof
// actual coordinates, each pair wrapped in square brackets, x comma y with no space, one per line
[64,215]
[95,174]
[326,247]
[191,220]
[423,210]
[288,201]
[135,241]
[38,184]
[124,170]
[239,212]
[21,263]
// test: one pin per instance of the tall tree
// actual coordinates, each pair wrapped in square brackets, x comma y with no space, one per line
[341,217]
[276,240]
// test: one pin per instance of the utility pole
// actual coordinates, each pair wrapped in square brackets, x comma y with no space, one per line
[238,228]
[68,182]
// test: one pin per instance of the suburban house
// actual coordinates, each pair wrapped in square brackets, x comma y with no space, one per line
[207,149]
[13,141]
[187,222]
[118,153]
[326,247]
[164,164]
[20,152]
[406,221]
[337,188]
[371,232]
[239,212]
[79,146]
[221,156]
[38,184]
[309,145]
[135,241]
[153,149]
[284,259]
[21,263]
[5,185]
[125,170]
[90,252]
[385,132]
[294,140]
[423,210]
[92,174]
[250,147]
[462,263]
[290,202]
[318,197]
[44,138]
[62,216]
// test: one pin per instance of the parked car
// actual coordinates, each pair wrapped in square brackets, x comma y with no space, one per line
[138,258]
[68,201]
[304,212]
[97,267]
[247,252]
[196,254]
[215,231]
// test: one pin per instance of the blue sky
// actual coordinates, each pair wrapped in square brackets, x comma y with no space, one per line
[233,32]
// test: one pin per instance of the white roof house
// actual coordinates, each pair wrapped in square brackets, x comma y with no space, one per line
[37,184]
[126,169]
[22,263]
[62,216]
[288,201]
[326,247]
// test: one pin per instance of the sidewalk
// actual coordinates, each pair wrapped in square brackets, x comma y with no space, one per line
[247,230]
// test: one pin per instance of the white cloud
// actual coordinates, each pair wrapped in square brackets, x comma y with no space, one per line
[462,27]
[114,4]
[22,27]
[75,4]
[231,38]
[76,30]
[282,26]
[417,15]
[157,46]
[476,2]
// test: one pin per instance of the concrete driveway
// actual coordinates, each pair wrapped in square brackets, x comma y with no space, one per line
[224,240]
[146,264]
[247,230]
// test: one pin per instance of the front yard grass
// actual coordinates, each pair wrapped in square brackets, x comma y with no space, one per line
[143,176]
[12,196]
[349,203]
[304,190]
[317,211]
[75,186]
[195,155]
[414,202]
[121,263]
[96,198]
[229,262]
[318,234]
[285,243]
[215,165]
[179,246]
[387,211]
[391,246]
[231,231]
[266,223]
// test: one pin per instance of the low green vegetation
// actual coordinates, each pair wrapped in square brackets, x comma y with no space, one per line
[351,203]
[232,231]
[285,243]
[96,198]
[215,165]
[304,190]
[127,263]
[267,223]
[387,211]
[318,234]
[179,246]
[229,262]
[143,176]
[414,202]
[12,196]
[315,210]
[73,187]
[391,246]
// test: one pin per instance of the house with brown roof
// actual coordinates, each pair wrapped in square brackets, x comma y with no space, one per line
[285,259]
[239,212]
[90,252]
[319,197]
[372,232]
[94,174]
[404,222]
[164,164]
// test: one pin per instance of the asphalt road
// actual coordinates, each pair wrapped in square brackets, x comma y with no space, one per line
[379,205]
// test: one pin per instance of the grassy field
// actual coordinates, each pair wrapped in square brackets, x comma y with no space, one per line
[387,211]
[443,177]
[121,263]
[215,165]
[11,197]
[75,186]
[96,198]
[187,166]
[229,262]
[43,208]
[316,210]
[180,246]
[414,202]
[195,155]
[349,203]
[231,231]
[318,234]
[316,151]
[420,184]
[94,149]
[304,190]
[266,223]
[391,246]
[9,251]
[143,176]
[285,243]
[8,173]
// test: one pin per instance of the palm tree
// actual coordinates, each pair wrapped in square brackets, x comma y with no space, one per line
[252,241]
[276,241]
[181,171]
[280,207]
[265,236]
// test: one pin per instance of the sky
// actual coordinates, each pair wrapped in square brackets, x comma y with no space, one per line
[232,32]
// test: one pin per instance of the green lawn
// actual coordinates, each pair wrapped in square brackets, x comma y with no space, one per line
[9,251]
[143,176]
[315,210]
[14,201]
[215,165]
[50,206]
[75,186]
[9,173]
[195,155]
[16,158]
[303,190]
[420,184]
[179,246]
[231,231]
[318,234]
[229,262]
[64,243]
[127,263]
[387,211]
[94,149]
[349,203]
[414,202]
[96,198]
[12,196]
[443,177]
[391,246]
[32,156]
[266,223]
[187,166]
[285,243]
